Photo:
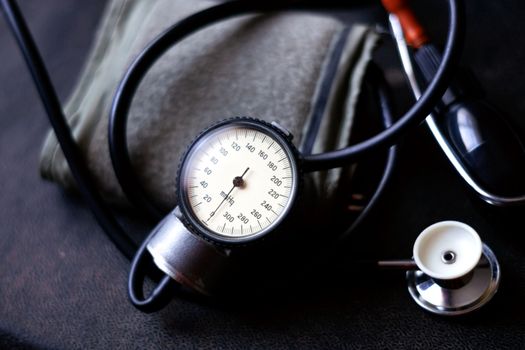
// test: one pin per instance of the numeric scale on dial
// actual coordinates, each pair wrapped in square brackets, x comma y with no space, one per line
[238,180]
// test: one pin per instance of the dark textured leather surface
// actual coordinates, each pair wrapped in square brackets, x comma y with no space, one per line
[62,283]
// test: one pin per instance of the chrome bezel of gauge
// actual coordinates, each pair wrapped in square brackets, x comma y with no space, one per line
[188,216]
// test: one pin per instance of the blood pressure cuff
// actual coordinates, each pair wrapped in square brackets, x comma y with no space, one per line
[301,69]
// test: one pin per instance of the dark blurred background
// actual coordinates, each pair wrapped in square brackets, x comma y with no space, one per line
[63,282]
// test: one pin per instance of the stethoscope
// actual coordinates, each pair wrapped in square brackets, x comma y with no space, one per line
[240,181]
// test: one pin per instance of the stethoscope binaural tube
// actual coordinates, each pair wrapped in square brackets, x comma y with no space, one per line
[338,158]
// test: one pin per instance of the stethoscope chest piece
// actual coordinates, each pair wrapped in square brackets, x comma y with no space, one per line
[457,273]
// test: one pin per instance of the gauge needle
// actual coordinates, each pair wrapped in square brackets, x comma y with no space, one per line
[237,182]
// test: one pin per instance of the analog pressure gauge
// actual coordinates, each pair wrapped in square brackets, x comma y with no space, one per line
[238,181]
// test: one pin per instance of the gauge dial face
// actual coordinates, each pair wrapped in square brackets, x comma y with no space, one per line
[238,181]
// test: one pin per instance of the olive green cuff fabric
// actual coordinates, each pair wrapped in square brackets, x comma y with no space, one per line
[272,67]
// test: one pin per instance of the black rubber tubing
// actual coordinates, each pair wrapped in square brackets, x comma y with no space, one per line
[72,153]
[145,60]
